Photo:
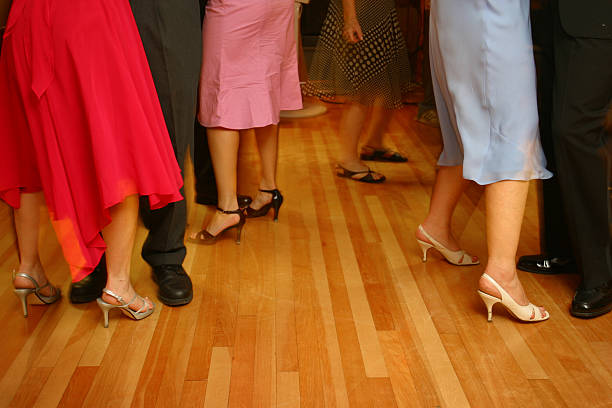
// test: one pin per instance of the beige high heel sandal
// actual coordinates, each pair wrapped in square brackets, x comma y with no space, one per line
[23,293]
[139,314]
[459,258]
[527,313]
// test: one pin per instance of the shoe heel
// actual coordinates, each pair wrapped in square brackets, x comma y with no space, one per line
[489,301]
[105,307]
[425,246]
[277,205]
[239,231]
[23,294]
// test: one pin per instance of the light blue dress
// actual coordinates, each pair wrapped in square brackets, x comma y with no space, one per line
[485,87]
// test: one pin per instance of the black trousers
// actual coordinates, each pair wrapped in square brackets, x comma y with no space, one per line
[554,233]
[171,34]
[582,97]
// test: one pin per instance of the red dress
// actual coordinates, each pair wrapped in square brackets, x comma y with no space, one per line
[80,119]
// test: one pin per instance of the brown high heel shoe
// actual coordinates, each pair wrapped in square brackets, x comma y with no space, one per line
[206,238]
[277,201]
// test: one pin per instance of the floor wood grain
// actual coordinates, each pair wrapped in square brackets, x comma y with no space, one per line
[329,307]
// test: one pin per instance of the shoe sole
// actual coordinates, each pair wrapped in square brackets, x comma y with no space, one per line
[535,269]
[76,300]
[590,315]
[175,302]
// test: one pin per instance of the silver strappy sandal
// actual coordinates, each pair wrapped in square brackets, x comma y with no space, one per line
[23,293]
[139,314]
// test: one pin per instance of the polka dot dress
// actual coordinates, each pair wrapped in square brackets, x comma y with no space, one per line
[375,70]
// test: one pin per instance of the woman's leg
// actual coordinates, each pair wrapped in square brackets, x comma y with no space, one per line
[351,125]
[27,224]
[447,190]
[267,143]
[223,145]
[505,206]
[119,236]
[379,122]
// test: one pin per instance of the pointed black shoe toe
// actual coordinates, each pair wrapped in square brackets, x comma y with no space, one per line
[175,288]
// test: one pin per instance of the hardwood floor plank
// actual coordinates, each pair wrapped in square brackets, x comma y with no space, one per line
[78,387]
[218,386]
[243,364]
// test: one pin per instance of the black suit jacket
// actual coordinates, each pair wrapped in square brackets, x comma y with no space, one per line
[587,18]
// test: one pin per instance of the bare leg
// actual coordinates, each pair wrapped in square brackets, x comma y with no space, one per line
[505,203]
[223,145]
[379,121]
[119,236]
[351,125]
[267,143]
[448,187]
[27,224]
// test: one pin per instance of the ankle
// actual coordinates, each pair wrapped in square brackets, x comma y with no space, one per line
[228,204]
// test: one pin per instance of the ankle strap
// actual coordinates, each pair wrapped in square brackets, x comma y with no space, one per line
[238,211]
[270,191]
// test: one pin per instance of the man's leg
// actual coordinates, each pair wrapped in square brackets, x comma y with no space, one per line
[583,94]
[171,35]
[555,250]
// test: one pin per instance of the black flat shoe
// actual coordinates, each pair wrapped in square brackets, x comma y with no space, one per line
[175,288]
[365,176]
[206,238]
[243,200]
[90,287]
[589,303]
[277,201]
[546,265]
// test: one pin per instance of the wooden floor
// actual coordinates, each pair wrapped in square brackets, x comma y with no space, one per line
[329,307]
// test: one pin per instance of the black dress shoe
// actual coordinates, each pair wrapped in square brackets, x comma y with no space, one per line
[595,302]
[175,287]
[90,287]
[546,265]
[243,200]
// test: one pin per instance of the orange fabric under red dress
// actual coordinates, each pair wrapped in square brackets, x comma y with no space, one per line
[80,119]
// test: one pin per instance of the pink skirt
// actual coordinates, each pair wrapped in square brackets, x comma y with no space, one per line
[80,119]
[249,69]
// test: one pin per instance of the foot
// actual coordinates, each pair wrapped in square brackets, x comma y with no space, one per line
[37,273]
[382,154]
[547,265]
[218,223]
[90,287]
[127,293]
[588,303]
[175,288]
[262,199]
[429,118]
[243,200]
[443,236]
[361,171]
[512,285]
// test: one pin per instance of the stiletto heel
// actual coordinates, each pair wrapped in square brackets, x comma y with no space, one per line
[527,313]
[239,229]
[206,238]
[459,258]
[23,293]
[139,314]
[489,301]
[277,201]
[425,246]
